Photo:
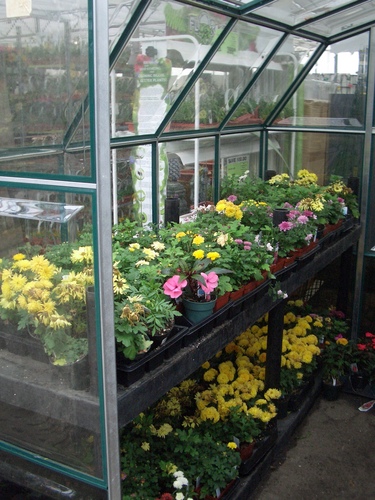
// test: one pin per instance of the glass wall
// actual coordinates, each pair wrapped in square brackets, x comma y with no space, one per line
[187,96]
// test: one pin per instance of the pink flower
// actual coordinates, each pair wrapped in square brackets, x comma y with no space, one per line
[308,213]
[302,219]
[173,286]
[232,198]
[212,280]
[286,226]
[238,241]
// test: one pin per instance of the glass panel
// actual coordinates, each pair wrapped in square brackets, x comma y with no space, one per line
[240,155]
[226,76]
[370,223]
[322,153]
[159,60]
[368,302]
[293,13]
[43,76]
[273,81]
[334,92]
[119,14]
[348,19]
[133,183]
[48,162]
[190,173]
[48,367]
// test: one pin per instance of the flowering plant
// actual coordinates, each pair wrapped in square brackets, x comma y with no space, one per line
[337,357]
[195,275]
[36,294]
[365,356]
[296,232]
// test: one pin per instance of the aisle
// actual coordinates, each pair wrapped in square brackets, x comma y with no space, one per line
[330,456]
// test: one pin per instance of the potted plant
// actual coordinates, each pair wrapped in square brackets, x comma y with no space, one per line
[364,357]
[337,357]
[143,319]
[50,303]
[192,275]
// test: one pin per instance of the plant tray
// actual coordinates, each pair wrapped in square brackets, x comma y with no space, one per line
[260,450]
[129,372]
[203,327]
[23,344]
[296,399]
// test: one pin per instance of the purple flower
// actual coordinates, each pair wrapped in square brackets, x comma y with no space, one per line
[286,226]
[238,241]
[232,198]
[247,247]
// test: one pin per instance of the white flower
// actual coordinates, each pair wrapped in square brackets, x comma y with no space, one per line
[180,496]
[178,473]
[269,247]
[180,482]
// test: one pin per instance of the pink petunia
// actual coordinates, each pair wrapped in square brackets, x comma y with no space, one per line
[286,226]
[212,280]
[173,286]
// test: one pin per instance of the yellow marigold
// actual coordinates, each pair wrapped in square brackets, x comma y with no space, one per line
[307,357]
[145,446]
[210,413]
[311,339]
[342,341]
[272,394]
[318,324]
[19,256]
[232,445]
[213,255]
[198,254]
[206,365]
[210,375]
[262,357]
[260,402]
[222,378]
[220,205]
[180,235]
[230,211]
[198,240]
[299,375]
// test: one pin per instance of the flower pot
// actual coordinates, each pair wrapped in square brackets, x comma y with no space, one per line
[282,406]
[331,392]
[221,301]
[75,375]
[236,294]
[198,311]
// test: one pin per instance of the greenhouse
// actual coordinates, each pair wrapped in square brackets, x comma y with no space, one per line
[157,156]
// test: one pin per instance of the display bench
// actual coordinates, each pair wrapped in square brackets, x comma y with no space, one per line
[134,399]
[27,385]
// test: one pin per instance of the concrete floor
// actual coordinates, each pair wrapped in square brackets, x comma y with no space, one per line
[331,455]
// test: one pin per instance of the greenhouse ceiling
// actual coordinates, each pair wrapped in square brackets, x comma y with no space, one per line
[318,19]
